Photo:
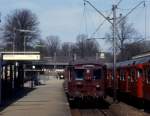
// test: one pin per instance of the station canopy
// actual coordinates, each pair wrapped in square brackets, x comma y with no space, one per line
[20,56]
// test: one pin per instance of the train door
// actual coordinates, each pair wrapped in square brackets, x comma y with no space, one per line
[126,79]
[147,83]
[139,82]
[109,79]
[132,81]
[122,80]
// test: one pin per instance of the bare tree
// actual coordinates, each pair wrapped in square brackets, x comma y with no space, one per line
[66,49]
[81,45]
[134,49]
[92,47]
[125,34]
[86,47]
[108,57]
[73,50]
[53,45]
[20,19]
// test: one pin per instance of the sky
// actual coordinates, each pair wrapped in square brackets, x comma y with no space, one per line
[69,18]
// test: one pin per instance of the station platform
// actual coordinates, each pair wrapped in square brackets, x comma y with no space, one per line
[45,100]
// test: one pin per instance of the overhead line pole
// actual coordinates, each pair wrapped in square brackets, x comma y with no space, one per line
[114,7]
[107,18]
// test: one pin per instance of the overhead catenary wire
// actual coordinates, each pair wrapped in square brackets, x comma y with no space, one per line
[98,11]
[145,27]
[119,2]
[97,29]
[99,26]
[142,2]
[127,9]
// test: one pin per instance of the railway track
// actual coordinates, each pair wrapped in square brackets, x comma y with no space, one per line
[90,112]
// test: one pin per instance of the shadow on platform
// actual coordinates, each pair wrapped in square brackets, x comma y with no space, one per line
[15,97]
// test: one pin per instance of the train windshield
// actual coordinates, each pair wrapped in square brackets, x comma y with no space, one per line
[79,74]
[97,74]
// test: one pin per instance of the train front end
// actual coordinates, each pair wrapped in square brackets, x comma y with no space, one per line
[86,81]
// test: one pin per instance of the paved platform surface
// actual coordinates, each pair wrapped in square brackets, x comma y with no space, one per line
[46,100]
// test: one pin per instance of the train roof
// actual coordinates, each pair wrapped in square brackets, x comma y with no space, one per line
[140,60]
[146,54]
[134,61]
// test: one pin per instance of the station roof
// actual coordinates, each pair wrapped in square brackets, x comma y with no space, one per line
[88,61]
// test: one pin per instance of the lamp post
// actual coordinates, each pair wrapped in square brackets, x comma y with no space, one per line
[22,31]
[24,42]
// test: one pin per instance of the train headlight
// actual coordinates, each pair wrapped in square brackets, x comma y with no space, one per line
[77,93]
[97,86]
[79,83]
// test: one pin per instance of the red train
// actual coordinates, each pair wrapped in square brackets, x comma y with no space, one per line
[85,80]
[132,77]
[94,79]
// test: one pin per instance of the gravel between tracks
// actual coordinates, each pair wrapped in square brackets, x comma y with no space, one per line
[90,112]
[122,109]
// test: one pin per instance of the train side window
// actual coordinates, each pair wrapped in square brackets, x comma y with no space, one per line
[132,73]
[69,75]
[148,75]
[79,74]
[129,75]
[112,77]
[97,74]
[122,76]
[139,73]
